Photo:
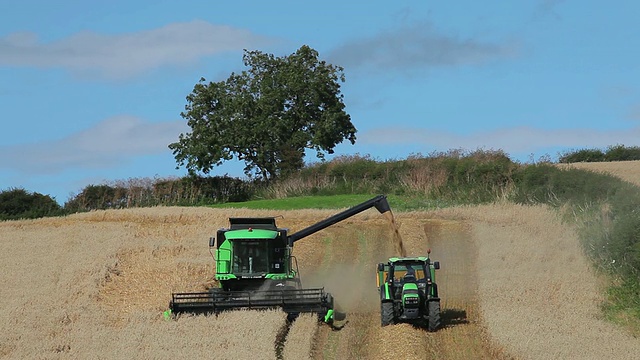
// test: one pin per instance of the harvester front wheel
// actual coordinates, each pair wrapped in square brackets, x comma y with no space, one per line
[386,313]
[434,315]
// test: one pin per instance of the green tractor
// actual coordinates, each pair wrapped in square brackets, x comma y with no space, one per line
[408,292]
[255,268]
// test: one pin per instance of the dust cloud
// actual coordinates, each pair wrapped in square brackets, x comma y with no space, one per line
[349,285]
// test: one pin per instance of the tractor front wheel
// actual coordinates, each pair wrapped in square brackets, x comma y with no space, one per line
[434,315]
[386,313]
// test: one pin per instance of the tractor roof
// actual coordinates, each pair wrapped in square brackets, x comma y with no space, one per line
[409,259]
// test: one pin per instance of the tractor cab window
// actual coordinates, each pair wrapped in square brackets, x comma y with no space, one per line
[250,256]
[409,272]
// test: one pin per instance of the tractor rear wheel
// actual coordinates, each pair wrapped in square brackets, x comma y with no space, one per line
[386,313]
[434,315]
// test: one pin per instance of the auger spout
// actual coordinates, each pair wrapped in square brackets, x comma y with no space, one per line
[379,202]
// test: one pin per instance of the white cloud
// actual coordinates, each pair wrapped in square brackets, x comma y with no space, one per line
[125,55]
[416,46]
[511,140]
[109,143]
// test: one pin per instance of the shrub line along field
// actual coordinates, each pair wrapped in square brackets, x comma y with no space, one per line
[514,284]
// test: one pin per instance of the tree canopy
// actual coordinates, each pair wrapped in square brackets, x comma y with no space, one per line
[266,116]
[19,203]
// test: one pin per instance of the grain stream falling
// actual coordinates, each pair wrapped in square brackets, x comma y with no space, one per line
[398,244]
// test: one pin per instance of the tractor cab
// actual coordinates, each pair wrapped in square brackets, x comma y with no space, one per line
[408,292]
[400,271]
[408,272]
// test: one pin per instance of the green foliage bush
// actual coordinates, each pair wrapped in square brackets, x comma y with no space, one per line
[352,174]
[623,302]
[187,191]
[547,184]
[476,177]
[622,153]
[21,204]
[613,153]
[620,242]
[584,155]
[457,176]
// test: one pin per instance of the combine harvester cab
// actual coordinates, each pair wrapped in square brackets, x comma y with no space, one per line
[408,292]
[255,269]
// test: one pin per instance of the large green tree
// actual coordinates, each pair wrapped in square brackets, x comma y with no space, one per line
[266,116]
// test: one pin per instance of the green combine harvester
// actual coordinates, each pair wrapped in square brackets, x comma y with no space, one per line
[255,268]
[408,291]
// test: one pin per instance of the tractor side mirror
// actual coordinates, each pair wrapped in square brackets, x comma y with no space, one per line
[212,242]
[380,266]
[436,265]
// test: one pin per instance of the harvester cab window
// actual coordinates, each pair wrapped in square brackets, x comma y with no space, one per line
[250,257]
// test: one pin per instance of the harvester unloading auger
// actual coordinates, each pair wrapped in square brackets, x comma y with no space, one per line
[255,268]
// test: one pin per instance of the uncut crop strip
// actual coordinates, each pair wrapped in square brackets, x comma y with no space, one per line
[523,250]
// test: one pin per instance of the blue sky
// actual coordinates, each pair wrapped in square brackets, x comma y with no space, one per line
[91,92]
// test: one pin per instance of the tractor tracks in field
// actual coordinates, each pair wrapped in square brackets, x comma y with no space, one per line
[463,335]
[281,339]
[347,270]
[350,270]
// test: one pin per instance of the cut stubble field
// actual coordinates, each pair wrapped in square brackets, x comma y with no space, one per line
[514,284]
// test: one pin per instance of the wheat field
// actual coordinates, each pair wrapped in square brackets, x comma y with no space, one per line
[514,285]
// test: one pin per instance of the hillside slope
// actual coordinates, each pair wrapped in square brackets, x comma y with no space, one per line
[626,170]
[514,284]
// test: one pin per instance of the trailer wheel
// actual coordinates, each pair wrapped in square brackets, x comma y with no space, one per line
[434,315]
[386,313]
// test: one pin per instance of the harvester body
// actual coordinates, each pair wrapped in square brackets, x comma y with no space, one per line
[408,292]
[256,269]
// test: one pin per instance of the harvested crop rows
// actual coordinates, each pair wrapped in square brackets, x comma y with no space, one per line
[514,284]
